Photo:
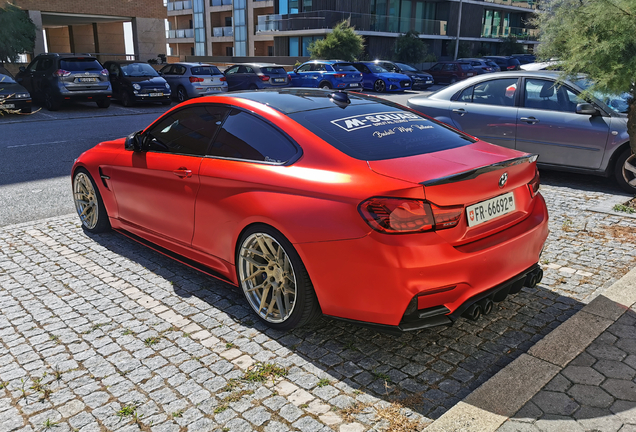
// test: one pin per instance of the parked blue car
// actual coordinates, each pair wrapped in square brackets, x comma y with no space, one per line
[377,78]
[327,74]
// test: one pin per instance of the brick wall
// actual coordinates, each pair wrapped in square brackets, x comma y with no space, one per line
[127,8]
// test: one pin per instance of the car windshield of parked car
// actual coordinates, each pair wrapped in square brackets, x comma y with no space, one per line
[376,69]
[378,132]
[273,70]
[138,70]
[5,79]
[618,103]
[406,67]
[205,70]
[80,65]
[344,67]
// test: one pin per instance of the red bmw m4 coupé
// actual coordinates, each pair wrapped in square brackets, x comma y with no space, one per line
[320,202]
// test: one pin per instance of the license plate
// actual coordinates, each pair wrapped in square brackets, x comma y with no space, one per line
[87,80]
[156,94]
[429,81]
[279,79]
[469,74]
[407,84]
[490,209]
[7,106]
[353,85]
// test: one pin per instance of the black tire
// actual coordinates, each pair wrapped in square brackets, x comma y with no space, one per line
[624,174]
[452,80]
[379,86]
[304,308]
[103,103]
[252,87]
[325,85]
[126,99]
[101,222]
[182,94]
[51,102]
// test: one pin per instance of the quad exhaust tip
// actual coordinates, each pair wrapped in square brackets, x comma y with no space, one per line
[533,278]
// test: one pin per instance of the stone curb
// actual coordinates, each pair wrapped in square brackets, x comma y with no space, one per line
[607,206]
[499,398]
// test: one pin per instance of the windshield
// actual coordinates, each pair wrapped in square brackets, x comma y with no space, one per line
[205,70]
[344,67]
[376,69]
[618,103]
[406,67]
[80,65]
[138,70]
[6,79]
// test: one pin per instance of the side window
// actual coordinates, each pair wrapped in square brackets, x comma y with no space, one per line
[305,68]
[437,67]
[244,136]
[365,69]
[179,70]
[232,70]
[496,92]
[541,94]
[390,67]
[571,100]
[242,69]
[466,95]
[449,67]
[249,69]
[319,67]
[188,131]
[34,65]
[112,68]
[167,70]
[44,64]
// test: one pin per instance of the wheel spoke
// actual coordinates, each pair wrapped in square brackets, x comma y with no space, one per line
[270,308]
[281,306]
[255,263]
[257,287]
[252,276]
[256,252]
[264,298]
[630,167]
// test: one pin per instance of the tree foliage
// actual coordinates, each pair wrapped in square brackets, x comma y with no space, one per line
[342,43]
[17,33]
[409,48]
[594,37]
[510,45]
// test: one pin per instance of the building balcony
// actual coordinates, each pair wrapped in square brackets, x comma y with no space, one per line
[222,32]
[180,34]
[526,4]
[220,2]
[500,32]
[327,19]
[179,5]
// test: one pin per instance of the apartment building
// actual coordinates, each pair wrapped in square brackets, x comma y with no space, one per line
[482,26]
[217,28]
[97,27]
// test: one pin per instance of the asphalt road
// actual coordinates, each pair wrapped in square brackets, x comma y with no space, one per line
[37,152]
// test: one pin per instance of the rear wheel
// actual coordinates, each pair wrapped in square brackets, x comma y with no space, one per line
[625,171]
[51,102]
[274,279]
[452,80]
[252,87]
[182,95]
[379,86]
[325,85]
[88,203]
[103,103]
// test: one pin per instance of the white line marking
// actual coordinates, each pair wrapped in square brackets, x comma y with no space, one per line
[44,143]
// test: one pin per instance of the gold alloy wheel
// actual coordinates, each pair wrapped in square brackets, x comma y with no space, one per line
[85,200]
[629,171]
[267,277]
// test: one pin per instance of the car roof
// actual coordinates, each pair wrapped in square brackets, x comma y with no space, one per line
[126,62]
[257,64]
[471,59]
[189,64]
[292,100]
[451,61]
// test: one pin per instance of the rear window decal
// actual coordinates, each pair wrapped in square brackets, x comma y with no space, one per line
[402,129]
[353,123]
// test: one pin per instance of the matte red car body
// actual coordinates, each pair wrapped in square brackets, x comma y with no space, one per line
[358,273]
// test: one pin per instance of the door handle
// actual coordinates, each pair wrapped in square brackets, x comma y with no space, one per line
[183,172]
[460,111]
[530,120]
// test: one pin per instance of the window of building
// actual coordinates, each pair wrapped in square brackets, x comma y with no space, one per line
[294,46]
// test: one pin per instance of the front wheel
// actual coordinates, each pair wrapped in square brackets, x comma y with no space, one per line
[51,102]
[625,171]
[274,279]
[182,95]
[103,103]
[88,203]
[379,86]
[126,99]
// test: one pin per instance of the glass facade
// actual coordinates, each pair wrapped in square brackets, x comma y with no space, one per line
[240,28]
[199,27]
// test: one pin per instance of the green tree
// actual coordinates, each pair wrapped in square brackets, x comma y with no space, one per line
[342,43]
[597,38]
[17,33]
[510,46]
[409,48]
[463,51]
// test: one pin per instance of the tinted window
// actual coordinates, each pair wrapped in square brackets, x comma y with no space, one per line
[378,131]
[437,67]
[273,70]
[232,70]
[466,95]
[80,65]
[188,131]
[305,68]
[244,136]
[377,69]
[406,67]
[389,67]
[541,94]
[344,67]
[496,92]
[138,70]
[6,79]
[205,70]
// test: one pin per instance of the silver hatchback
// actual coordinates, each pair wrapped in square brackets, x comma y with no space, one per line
[535,113]
[189,80]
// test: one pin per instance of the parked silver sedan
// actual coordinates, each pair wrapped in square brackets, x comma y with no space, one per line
[533,112]
[189,80]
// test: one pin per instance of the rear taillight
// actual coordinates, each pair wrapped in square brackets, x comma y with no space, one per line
[222,79]
[339,75]
[534,184]
[511,67]
[403,215]
[62,73]
[195,79]
[264,77]
[104,72]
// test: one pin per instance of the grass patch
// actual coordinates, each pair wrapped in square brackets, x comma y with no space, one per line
[127,332]
[263,371]
[324,382]
[398,422]
[237,395]
[229,345]
[177,414]
[381,376]
[349,413]
[624,208]
[150,341]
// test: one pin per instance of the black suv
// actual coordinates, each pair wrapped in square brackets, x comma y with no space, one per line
[57,78]
[505,63]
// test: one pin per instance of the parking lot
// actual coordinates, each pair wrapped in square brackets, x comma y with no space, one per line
[100,333]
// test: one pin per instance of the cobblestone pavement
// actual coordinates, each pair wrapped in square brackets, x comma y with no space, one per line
[100,333]
[595,392]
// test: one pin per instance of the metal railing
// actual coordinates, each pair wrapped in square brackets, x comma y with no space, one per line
[222,31]
[179,5]
[180,33]
[521,33]
[362,22]
[220,2]
[528,4]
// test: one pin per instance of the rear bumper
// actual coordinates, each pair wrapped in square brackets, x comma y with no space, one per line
[166,97]
[374,279]
[206,91]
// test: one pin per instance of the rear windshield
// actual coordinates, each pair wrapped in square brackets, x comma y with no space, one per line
[205,70]
[79,64]
[6,79]
[138,70]
[344,67]
[273,70]
[377,131]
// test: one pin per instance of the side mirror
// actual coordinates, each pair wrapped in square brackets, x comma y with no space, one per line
[135,142]
[22,68]
[586,108]
[295,70]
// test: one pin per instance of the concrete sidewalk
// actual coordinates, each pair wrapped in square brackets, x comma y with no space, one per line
[579,377]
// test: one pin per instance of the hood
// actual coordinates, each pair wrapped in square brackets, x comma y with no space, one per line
[393,75]
[147,81]
[11,88]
